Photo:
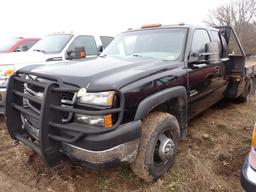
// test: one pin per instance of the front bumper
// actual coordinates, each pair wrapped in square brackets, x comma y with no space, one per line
[119,145]
[125,152]
[2,99]
[248,177]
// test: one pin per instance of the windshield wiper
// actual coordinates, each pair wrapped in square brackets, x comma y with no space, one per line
[39,50]
[137,55]
[105,55]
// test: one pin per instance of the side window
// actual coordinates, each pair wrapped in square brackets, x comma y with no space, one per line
[224,46]
[25,45]
[216,38]
[106,40]
[86,41]
[200,38]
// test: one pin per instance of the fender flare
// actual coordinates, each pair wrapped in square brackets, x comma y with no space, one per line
[150,102]
[156,99]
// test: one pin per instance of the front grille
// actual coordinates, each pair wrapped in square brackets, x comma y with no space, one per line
[35,88]
[67,99]
[67,96]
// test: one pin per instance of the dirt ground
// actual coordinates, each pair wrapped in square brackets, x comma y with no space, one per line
[208,160]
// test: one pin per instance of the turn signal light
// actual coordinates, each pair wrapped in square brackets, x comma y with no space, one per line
[238,79]
[108,121]
[9,72]
[82,54]
[254,137]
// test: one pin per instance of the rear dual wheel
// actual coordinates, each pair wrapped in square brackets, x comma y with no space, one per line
[158,146]
[245,98]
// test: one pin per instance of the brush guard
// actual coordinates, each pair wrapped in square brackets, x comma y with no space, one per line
[49,121]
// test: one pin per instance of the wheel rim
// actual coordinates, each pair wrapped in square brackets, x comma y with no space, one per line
[164,148]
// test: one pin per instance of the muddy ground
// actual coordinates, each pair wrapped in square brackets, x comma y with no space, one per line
[208,160]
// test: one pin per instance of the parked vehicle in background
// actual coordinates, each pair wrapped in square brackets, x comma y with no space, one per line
[18,44]
[49,50]
[132,104]
[248,172]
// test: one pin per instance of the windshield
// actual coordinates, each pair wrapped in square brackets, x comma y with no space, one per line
[52,43]
[6,45]
[164,44]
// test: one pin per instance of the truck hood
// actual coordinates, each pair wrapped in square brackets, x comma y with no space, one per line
[18,58]
[106,73]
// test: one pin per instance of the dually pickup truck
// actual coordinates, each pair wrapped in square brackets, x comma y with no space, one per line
[133,103]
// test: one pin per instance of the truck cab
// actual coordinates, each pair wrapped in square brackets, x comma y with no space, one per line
[18,44]
[49,50]
[130,105]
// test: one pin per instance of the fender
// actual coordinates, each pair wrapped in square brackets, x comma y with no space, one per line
[158,98]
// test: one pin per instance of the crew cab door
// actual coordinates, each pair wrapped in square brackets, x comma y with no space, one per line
[206,80]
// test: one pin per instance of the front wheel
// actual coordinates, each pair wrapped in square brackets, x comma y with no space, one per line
[158,146]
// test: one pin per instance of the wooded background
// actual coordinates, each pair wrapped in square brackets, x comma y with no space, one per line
[240,14]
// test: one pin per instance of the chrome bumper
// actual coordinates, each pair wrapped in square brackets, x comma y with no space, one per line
[125,152]
[248,177]
[2,99]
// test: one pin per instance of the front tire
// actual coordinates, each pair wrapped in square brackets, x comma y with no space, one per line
[158,146]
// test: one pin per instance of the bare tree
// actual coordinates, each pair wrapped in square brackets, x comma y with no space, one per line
[241,14]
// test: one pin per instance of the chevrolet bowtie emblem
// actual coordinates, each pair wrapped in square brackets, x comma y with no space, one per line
[82,92]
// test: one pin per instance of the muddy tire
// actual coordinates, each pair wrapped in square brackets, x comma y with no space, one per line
[245,98]
[158,146]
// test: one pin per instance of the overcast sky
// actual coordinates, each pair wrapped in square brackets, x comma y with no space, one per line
[107,17]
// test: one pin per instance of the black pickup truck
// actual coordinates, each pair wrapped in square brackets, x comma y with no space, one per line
[133,103]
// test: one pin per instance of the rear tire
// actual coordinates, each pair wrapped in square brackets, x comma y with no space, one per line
[158,146]
[245,98]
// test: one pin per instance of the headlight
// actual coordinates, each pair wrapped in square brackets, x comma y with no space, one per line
[101,98]
[5,73]
[104,99]
[102,121]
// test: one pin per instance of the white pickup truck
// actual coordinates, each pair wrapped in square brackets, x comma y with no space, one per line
[51,49]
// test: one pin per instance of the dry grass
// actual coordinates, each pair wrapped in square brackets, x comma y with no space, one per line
[209,160]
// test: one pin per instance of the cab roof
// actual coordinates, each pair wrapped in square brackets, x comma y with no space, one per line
[181,25]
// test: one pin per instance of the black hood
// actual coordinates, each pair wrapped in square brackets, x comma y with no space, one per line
[105,73]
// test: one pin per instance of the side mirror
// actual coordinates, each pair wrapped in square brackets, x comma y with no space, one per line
[77,53]
[210,55]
